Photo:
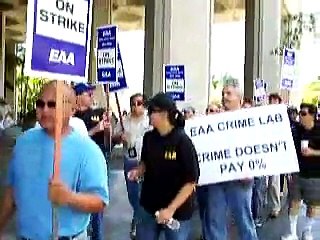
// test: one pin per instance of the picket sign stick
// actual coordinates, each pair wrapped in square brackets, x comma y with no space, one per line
[108,132]
[57,152]
[116,94]
[119,111]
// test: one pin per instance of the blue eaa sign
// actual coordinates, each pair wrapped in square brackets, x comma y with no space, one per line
[174,81]
[107,54]
[58,39]
[121,83]
[288,69]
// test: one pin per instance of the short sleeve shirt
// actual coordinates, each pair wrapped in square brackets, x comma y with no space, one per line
[83,169]
[171,161]
[134,131]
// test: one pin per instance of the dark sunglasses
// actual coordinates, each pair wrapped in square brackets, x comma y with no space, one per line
[303,113]
[211,111]
[41,104]
[137,104]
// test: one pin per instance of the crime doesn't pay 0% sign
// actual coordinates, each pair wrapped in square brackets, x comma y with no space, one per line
[257,164]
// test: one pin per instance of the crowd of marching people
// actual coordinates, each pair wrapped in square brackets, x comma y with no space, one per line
[161,172]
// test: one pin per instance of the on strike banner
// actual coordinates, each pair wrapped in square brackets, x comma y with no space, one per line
[58,39]
[245,143]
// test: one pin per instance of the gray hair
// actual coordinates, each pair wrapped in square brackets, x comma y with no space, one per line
[233,82]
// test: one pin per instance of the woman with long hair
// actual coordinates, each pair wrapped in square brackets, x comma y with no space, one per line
[170,170]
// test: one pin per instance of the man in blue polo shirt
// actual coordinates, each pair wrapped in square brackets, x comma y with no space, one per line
[81,190]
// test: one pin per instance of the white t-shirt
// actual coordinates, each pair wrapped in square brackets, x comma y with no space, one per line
[134,131]
[76,123]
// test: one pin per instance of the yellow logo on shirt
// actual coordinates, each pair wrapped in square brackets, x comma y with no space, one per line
[170,155]
[95,118]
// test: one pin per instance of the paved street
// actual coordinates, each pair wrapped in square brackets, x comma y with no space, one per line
[118,215]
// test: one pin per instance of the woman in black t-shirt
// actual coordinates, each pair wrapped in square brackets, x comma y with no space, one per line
[170,169]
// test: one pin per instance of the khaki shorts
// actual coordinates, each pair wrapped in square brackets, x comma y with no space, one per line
[306,189]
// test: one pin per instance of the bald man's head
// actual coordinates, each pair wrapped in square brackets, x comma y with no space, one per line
[46,105]
[51,87]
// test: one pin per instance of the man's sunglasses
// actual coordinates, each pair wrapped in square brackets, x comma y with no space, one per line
[137,104]
[303,113]
[41,104]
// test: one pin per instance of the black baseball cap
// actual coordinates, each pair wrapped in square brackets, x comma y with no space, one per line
[161,101]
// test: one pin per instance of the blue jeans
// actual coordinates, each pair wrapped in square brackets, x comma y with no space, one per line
[236,197]
[148,228]
[97,227]
[133,187]
[202,197]
[258,196]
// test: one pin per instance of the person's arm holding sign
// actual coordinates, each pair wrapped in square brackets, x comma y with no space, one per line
[190,166]
[92,193]
[101,126]
[119,135]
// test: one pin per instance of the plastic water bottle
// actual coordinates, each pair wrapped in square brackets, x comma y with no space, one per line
[173,224]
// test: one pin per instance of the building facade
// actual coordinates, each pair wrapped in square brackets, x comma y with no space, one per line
[177,32]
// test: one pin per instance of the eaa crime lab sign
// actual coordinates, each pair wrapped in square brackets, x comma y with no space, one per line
[243,144]
[58,39]
[174,81]
[107,54]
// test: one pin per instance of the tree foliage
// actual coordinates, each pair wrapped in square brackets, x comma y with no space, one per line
[27,89]
[293,28]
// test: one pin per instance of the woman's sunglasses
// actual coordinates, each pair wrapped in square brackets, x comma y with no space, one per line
[137,104]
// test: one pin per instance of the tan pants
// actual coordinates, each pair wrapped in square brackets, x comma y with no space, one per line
[273,193]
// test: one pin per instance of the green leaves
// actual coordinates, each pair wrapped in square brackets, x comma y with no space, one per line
[293,28]
[28,89]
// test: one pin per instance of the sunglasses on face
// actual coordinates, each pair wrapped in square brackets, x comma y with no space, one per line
[137,104]
[212,111]
[41,104]
[303,113]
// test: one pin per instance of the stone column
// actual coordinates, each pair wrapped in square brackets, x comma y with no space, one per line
[271,34]
[178,32]
[253,32]
[2,54]
[263,32]
[101,16]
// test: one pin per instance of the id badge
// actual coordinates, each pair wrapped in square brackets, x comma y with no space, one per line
[132,152]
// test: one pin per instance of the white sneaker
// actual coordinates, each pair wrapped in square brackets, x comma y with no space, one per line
[307,235]
[289,237]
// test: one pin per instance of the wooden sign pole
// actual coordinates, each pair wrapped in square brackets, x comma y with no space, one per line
[119,111]
[107,132]
[57,151]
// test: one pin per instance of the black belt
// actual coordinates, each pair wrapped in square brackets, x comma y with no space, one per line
[60,238]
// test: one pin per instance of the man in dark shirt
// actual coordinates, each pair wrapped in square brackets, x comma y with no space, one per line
[97,124]
[94,119]
[306,184]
